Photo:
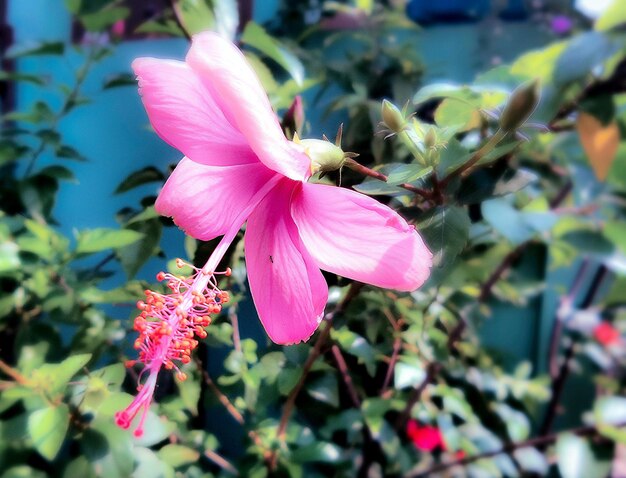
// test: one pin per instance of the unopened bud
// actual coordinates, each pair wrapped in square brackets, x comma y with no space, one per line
[325,156]
[520,106]
[393,117]
[430,138]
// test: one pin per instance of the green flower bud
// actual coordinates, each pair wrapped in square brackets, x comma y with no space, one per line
[520,106]
[393,117]
[430,138]
[325,156]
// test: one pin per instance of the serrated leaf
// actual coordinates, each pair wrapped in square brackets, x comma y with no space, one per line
[47,428]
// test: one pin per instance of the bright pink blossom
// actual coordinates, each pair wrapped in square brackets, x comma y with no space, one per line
[239,167]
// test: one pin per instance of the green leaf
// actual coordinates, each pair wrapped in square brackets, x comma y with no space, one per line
[9,256]
[445,230]
[582,55]
[374,187]
[612,17]
[42,48]
[135,255]
[14,76]
[56,376]
[255,36]
[119,79]
[407,173]
[143,176]
[102,19]
[221,16]
[610,410]
[319,451]
[47,428]
[178,455]
[96,240]
[576,458]
[453,112]
[615,231]
[325,389]
[409,372]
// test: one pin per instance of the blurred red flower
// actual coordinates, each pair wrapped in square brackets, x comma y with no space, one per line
[606,334]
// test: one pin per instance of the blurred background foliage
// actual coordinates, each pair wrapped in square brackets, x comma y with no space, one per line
[525,217]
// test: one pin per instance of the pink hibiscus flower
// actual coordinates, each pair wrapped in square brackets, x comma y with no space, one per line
[239,166]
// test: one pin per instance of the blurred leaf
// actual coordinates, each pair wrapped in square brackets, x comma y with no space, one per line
[576,459]
[325,389]
[178,455]
[103,18]
[146,175]
[452,112]
[599,142]
[583,53]
[610,410]
[96,240]
[36,49]
[56,376]
[255,36]
[221,16]
[532,460]
[119,79]
[612,17]
[319,452]
[407,173]
[135,255]
[409,373]
[615,231]
[47,428]
[445,230]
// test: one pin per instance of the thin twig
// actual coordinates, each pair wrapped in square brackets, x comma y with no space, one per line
[315,352]
[14,374]
[221,396]
[345,374]
[364,170]
[221,462]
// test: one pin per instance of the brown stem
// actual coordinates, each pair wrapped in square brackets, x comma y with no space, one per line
[234,319]
[345,374]
[221,396]
[14,374]
[364,170]
[476,157]
[536,441]
[315,352]
[221,462]
[562,313]
[397,345]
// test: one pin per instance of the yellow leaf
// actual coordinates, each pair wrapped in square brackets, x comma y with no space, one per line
[599,142]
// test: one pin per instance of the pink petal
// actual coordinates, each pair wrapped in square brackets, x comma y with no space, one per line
[205,200]
[234,84]
[288,288]
[183,113]
[355,236]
